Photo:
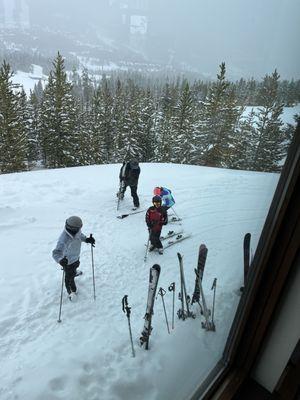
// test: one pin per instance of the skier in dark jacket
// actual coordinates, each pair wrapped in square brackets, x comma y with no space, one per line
[129,176]
[156,217]
[68,249]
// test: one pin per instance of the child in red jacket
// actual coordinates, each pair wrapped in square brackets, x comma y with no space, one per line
[156,217]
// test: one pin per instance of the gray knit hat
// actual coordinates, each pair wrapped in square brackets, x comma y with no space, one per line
[74,222]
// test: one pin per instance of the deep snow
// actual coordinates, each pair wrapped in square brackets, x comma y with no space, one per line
[88,355]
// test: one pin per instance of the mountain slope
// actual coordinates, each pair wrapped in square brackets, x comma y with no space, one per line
[88,355]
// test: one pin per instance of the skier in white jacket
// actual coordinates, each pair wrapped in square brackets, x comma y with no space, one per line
[67,251]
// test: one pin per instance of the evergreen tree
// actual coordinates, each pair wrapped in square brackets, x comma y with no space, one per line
[106,121]
[184,128]
[95,132]
[118,114]
[33,132]
[271,146]
[60,138]
[38,91]
[13,139]
[87,89]
[163,125]
[246,142]
[219,117]
[132,126]
[147,139]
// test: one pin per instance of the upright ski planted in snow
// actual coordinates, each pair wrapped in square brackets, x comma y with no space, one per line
[247,239]
[246,253]
[184,312]
[199,273]
[153,281]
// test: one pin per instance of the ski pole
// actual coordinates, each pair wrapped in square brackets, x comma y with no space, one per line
[127,309]
[126,215]
[61,295]
[172,289]
[93,269]
[162,292]
[214,287]
[176,213]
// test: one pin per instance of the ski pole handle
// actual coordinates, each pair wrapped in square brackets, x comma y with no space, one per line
[171,288]
[214,284]
[125,306]
[162,292]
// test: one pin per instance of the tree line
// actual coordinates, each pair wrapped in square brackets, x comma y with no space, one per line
[75,120]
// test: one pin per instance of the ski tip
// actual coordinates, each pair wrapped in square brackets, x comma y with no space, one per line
[203,246]
[156,266]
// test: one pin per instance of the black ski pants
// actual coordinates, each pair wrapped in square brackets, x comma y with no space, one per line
[155,239]
[70,273]
[133,188]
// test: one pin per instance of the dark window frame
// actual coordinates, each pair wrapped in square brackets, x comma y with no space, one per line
[273,261]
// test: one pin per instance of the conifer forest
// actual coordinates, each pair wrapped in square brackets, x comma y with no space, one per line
[75,120]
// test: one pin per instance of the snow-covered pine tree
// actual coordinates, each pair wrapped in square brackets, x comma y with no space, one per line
[26,122]
[13,139]
[132,126]
[147,118]
[118,113]
[38,91]
[219,117]
[245,144]
[87,89]
[163,125]
[105,117]
[184,128]
[33,134]
[60,138]
[95,132]
[271,145]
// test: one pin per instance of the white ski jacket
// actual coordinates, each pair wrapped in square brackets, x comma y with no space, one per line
[68,246]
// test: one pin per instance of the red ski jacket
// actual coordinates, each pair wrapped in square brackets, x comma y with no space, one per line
[156,218]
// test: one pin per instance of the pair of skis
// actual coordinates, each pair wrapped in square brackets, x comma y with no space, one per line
[145,335]
[171,238]
[198,295]
[184,312]
[153,282]
[152,288]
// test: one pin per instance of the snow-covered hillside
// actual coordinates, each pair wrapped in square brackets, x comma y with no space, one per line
[88,355]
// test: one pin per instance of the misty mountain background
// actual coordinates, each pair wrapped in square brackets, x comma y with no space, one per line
[253,38]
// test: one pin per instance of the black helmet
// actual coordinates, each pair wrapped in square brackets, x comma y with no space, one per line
[156,199]
[134,164]
[73,224]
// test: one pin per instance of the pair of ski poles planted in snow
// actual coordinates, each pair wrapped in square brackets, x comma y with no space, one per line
[126,309]
[63,278]
[162,292]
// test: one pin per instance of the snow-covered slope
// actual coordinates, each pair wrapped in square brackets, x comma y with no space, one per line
[88,355]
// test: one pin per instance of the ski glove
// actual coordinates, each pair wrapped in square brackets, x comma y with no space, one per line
[64,262]
[90,240]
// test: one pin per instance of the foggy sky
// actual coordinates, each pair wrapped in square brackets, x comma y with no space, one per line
[252,37]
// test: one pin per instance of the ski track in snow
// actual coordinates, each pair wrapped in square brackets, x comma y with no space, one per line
[88,355]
